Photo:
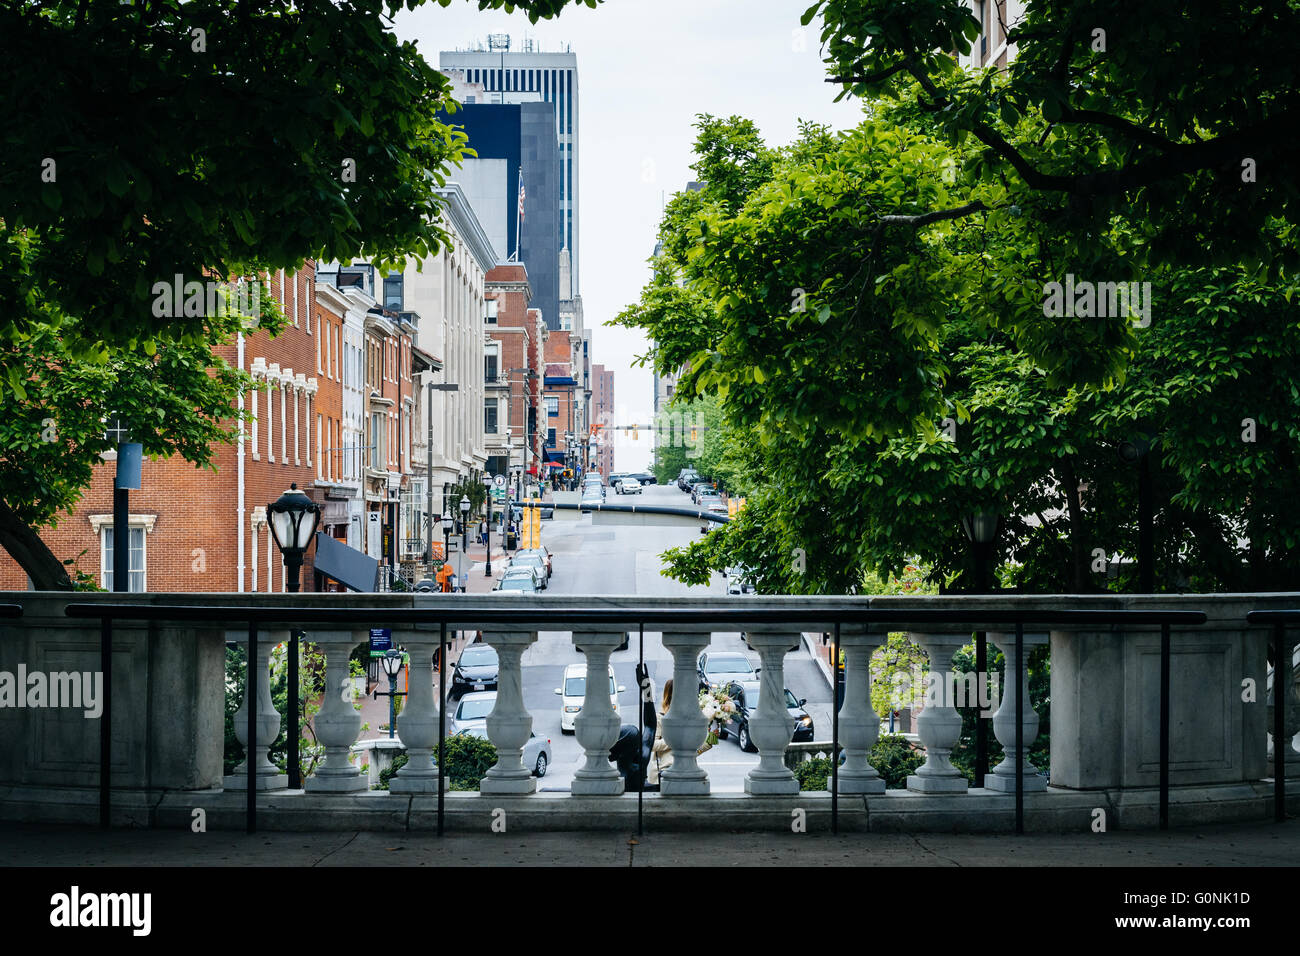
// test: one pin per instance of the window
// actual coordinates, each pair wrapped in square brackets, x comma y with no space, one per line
[550,437]
[490,367]
[378,441]
[135,563]
[320,444]
[491,315]
[490,416]
[253,410]
[552,405]
[393,293]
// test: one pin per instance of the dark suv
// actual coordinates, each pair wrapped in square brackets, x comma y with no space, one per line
[739,726]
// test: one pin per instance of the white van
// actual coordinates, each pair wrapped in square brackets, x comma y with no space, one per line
[574,692]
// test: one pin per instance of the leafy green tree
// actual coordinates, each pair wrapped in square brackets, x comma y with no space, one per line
[1116,123]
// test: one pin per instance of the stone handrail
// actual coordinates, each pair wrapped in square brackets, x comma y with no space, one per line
[168,681]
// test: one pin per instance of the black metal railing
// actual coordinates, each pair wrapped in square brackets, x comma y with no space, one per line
[1281,742]
[642,617]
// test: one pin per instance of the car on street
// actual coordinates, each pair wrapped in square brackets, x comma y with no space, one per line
[702,488]
[616,479]
[537,750]
[591,498]
[646,478]
[629,486]
[684,476]
[523,582]
[534,562]
[543,552]
[574,690]
[723,668]
[739,580]
[475,670]
[713,503]
[739,726]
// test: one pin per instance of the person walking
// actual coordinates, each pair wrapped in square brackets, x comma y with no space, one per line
[661,755]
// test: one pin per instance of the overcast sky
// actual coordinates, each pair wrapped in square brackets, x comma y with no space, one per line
[645,69]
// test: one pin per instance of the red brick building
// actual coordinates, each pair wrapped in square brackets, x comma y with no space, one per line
[517,337]
[199,530]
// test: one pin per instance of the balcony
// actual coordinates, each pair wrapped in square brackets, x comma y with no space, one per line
[1147,723]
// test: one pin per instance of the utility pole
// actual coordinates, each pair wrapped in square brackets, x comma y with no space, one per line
[428,476]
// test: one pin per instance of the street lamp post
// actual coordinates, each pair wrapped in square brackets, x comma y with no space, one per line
[464,534]
[981,529]
[293,519]
[448,522]
[428,510]
[392,662]
[487,487]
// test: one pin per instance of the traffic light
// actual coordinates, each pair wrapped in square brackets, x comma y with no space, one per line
[634,433]
[694,433]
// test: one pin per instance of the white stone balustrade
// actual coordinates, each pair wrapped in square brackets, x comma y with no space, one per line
[939,725]
[771,726]
[418,724]
[338,722]
[596,726]
[684,726]
[509,724]
[859,722]
[1003,776]
[1286,676]
[266,776]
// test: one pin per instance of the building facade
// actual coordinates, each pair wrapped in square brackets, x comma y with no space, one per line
[602,397]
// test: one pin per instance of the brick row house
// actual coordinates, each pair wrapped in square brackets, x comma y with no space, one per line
[339,408]
[512,372]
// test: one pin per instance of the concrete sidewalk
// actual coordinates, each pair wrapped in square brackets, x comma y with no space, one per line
[1238,845]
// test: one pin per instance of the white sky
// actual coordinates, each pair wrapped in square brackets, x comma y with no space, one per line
[645,68]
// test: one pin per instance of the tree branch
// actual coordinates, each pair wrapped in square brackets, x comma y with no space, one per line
[938,215]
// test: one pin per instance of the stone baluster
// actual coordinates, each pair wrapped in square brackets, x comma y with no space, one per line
[596,726]
[684,726]
[1003,776]
[338,722]
[939,725]
[266,776]
[1287,676]
[859,722]
[418,724]
[509,724]
[771,726]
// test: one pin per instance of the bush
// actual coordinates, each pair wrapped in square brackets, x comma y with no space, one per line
[467,759]
[893,757]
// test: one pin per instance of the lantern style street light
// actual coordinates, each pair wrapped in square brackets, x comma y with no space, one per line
[293,519]
[392,662]
[448,522]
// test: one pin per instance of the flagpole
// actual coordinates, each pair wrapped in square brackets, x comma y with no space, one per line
[519,213]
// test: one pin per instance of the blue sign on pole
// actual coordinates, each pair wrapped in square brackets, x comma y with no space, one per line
[381,640]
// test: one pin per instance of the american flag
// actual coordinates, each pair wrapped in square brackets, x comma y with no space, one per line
[521,197]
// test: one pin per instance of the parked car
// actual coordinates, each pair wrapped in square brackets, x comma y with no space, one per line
[524,582]
[591,498]
[685,476]
[533,562]
[616,479]
[574,690]
[713,503]
[739,580]
[471,712]
[739,726]
[723,668]
[702,488]
[629,486]
[475,670]
[543,552]
[646,478]
[537,750]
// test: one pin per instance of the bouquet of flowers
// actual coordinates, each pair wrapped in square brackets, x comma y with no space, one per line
[717,706]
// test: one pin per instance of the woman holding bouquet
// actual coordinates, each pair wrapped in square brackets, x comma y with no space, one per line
[661,755]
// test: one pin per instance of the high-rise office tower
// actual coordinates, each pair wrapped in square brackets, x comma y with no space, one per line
[530,76]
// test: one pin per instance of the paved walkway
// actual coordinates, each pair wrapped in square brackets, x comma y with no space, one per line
[1237,845]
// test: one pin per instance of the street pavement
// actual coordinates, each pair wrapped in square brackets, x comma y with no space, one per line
[625,560]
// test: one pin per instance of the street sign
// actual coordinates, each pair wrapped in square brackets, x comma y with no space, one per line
[381,641]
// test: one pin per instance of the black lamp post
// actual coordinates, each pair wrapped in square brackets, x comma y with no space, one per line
[464,533]
[293,519]
[981,529]
[487,487]
[392,662]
